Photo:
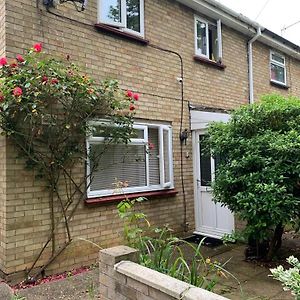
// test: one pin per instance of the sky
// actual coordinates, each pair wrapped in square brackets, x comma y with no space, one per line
[272,14]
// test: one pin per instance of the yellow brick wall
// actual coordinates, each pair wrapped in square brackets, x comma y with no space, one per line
[261,61]
[153,74]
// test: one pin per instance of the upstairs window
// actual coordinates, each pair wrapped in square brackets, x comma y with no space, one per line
[277,68]
[208,39]
[127,15]
[144,164]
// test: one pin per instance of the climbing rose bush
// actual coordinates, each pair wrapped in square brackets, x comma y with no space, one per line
[46,103]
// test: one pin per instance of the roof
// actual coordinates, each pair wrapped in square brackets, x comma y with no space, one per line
[243,24]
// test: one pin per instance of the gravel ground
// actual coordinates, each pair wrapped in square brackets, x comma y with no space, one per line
[80,287]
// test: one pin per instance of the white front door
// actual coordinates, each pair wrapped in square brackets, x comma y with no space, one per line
[211,218]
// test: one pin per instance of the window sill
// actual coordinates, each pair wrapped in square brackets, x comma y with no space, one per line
[209,62]
[279,85]
[122,34]
[118,198]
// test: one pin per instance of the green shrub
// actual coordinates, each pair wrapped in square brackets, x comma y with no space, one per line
[258,176]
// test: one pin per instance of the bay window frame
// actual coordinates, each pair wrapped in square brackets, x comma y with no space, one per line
[138,141]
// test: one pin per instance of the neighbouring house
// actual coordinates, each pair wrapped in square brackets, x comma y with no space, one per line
[190,61]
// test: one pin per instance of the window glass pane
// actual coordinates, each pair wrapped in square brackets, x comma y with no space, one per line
[111,11]
[124,163]
[166,155]
[205,165]
[138,134]
[153,146]
[102,131]
[133,15]
[213,43]
[201,38]
[278,58]
[277,73]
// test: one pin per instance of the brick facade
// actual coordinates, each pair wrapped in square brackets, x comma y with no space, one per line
[24,209]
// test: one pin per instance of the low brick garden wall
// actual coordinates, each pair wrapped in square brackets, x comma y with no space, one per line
[121,278]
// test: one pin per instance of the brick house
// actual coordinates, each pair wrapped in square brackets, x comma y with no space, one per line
[190,60]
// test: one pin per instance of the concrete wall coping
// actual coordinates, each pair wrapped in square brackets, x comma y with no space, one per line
[164,283]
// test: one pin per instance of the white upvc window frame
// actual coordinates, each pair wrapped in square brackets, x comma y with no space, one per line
[137,141]
[279,64]
[123,24]
[218,25]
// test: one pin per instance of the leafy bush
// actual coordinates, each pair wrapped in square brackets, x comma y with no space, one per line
[161,251]
[290,278]
[258,176]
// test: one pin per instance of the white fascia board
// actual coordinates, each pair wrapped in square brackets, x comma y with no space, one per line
[271,42]
[232,19]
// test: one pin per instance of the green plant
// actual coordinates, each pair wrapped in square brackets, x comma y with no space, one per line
[18,297]
[233,237]
[133,233]
[161,251]
[290,278]
[259,166]
[91,290]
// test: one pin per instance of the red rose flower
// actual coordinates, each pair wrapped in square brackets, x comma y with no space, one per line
[136,97]
[3,61]
[132,107]
[129,93]
[20,58]
[91,91]
[44,79]
[17,91]
[54,81]
[37,47]
[151,146]
[13,65]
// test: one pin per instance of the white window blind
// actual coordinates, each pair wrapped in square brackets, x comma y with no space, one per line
[144,164]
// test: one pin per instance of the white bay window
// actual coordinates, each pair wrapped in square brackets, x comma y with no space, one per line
[127,15]
[144,164]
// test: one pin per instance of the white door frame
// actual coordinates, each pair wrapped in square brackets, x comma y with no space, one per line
[199,123]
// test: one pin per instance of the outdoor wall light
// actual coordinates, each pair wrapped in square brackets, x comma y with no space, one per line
[183,136]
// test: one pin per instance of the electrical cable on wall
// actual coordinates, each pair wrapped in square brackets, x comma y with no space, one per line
[185,223]
[181,81]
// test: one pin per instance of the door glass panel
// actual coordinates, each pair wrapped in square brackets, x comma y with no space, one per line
[111,11]
[205,164]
